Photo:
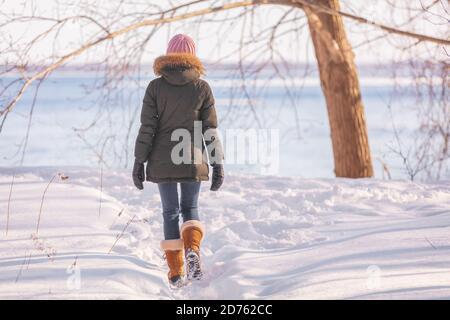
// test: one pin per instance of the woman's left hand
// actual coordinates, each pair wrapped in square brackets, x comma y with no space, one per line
[138,175]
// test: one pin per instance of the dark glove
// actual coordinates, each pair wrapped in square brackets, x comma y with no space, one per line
[138,175]
[217,177]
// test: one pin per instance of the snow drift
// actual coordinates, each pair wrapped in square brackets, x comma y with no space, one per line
[267,238]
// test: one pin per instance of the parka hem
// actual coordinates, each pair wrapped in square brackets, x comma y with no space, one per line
[162,180]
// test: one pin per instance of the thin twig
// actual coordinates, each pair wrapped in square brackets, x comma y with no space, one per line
[30,118]
[117,217]
[90,146]
[101,191]
[74,263]
[385,168]
[430,243]
[9,203]
[121,234]
[63,177]
[25,262]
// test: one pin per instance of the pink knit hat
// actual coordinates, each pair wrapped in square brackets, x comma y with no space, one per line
[181,43]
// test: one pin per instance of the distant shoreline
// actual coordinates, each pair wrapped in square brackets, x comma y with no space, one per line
[373,69]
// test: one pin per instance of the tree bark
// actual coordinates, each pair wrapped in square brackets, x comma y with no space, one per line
[340,85]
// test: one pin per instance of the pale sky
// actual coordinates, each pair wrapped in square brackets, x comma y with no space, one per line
[208,36]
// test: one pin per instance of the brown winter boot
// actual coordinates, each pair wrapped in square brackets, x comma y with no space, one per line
[175,261]
[192,232]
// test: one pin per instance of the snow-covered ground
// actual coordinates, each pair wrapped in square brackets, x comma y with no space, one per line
[267,237]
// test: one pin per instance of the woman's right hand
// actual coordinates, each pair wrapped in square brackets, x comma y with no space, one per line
[138,175]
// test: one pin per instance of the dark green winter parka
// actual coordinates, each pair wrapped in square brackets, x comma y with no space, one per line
[173,104]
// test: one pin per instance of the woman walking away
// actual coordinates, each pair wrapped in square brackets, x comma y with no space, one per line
[178,104]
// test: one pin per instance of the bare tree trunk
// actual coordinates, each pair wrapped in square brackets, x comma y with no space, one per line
[339,81]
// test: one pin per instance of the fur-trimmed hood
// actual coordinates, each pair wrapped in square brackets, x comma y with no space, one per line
[178,68]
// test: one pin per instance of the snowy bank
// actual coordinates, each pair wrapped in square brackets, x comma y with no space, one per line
[267,237]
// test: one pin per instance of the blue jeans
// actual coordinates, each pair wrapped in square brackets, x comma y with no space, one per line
[171,208]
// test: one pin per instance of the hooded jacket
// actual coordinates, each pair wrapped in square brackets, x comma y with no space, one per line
[176,100]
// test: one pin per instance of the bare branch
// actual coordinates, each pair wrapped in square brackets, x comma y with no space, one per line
[420,37]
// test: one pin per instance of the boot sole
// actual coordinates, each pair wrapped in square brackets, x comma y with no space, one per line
[193,273]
